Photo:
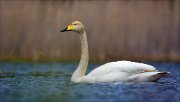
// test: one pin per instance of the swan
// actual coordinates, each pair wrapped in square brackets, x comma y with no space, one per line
[120,71]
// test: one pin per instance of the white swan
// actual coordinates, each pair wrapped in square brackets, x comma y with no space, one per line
[112,71]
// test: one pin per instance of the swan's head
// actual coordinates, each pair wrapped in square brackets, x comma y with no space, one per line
[76,26]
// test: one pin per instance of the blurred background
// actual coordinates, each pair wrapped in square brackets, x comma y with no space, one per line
[37,60]
[139,30]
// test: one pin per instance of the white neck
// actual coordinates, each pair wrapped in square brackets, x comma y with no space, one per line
[81,70]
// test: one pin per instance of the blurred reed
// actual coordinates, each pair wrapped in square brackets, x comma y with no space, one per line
[116,30]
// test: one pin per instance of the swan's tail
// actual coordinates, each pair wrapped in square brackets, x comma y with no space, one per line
[147,76]
[157,76]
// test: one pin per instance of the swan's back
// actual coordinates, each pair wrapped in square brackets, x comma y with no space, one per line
[121,66]
[116,71]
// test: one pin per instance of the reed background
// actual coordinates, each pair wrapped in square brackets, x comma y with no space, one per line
[116,30]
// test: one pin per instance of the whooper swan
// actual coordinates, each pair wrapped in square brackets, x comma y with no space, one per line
[120,71]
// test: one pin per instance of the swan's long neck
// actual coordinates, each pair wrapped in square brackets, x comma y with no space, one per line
[81,70]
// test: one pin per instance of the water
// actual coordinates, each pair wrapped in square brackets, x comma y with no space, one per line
[50,82]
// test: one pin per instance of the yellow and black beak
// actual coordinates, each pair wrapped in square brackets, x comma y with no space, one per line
[69,28]
[63,30]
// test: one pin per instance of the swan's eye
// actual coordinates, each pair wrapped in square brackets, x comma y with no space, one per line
[75,24]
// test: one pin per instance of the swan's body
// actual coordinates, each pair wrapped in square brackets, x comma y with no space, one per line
[112,71]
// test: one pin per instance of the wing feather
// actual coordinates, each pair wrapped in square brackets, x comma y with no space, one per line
[121,66]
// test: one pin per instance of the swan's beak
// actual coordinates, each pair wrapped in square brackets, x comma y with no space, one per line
[63,30]
[69,28]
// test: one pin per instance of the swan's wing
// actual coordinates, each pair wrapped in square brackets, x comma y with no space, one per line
[146,76]
[124,71]
[121,66]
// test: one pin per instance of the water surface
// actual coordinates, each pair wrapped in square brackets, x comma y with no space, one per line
[50,82]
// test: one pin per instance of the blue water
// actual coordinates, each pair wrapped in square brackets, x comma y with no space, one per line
[50,82]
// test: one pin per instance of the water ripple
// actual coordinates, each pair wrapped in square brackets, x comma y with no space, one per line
[54,86]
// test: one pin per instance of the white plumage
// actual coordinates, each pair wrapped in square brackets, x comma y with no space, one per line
[122,71]
[112,71]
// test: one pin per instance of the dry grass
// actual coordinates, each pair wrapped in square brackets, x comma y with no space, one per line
[135,30]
